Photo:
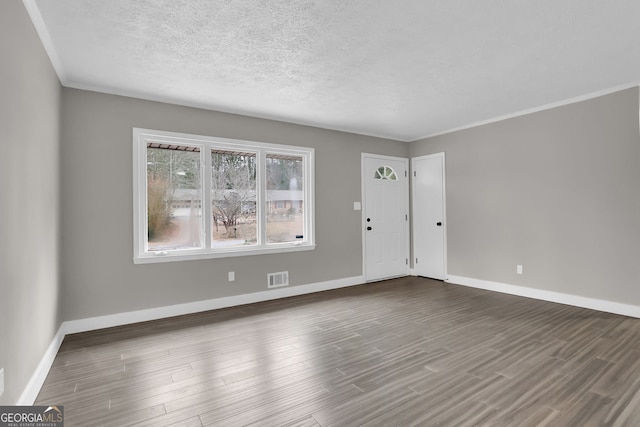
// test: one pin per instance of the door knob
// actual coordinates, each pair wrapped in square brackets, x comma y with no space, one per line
[439,224]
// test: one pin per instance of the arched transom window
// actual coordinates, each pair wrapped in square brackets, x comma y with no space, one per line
[386,173]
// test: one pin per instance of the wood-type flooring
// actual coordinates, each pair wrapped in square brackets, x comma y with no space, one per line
[402,352]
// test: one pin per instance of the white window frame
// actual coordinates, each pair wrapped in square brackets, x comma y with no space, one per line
[142,255]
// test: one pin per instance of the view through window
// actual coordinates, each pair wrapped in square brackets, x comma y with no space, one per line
[233,201]
[173,198]
[285,198]
[202,197]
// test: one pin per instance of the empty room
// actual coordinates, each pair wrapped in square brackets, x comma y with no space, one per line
[320,213]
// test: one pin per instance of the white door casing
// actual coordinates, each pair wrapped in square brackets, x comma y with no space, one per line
[428,216]
[385,215]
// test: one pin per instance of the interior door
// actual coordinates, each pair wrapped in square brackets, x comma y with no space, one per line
[429,225]
[386,216]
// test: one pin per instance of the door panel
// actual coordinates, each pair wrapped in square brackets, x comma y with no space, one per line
[429,238]
[386,206]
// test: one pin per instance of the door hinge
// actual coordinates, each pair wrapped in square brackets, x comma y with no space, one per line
[405,174]
[407,261]
[414,173]
[416,260]
[406,217]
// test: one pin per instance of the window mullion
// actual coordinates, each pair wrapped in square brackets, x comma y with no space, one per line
[261,186]
[206,196]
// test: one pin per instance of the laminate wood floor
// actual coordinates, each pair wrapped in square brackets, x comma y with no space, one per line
[402,352]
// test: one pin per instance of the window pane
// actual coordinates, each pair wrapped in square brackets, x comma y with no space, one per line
[174,207]
[233,199]
[385,173]
[285,199]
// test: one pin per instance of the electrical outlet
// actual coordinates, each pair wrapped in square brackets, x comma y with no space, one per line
[232,276]
[1,381]
[519,269]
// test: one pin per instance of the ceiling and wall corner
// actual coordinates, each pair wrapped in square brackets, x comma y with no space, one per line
[402,72]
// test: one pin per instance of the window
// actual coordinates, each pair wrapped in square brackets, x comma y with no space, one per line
[199,197]
[385,173]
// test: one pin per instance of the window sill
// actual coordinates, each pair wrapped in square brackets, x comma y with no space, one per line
[197,255]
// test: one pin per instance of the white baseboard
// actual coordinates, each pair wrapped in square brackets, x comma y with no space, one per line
[119,319]
[575,300]
[30,393]
[34,385]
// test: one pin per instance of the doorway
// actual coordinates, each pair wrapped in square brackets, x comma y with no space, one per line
[385,214]
[428,216]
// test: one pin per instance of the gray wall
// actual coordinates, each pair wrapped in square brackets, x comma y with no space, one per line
[556,191]
[29,232]
[97,226]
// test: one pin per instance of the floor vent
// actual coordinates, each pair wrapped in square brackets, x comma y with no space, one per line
[277,280]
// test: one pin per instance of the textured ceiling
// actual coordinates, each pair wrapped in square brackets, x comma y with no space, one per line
[398,69]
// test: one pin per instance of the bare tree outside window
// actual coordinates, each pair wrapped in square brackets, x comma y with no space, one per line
[233,198]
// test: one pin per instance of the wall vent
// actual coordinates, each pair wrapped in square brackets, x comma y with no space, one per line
[277,280]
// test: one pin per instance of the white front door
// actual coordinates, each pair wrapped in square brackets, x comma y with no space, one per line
[429,236]
[385,216]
